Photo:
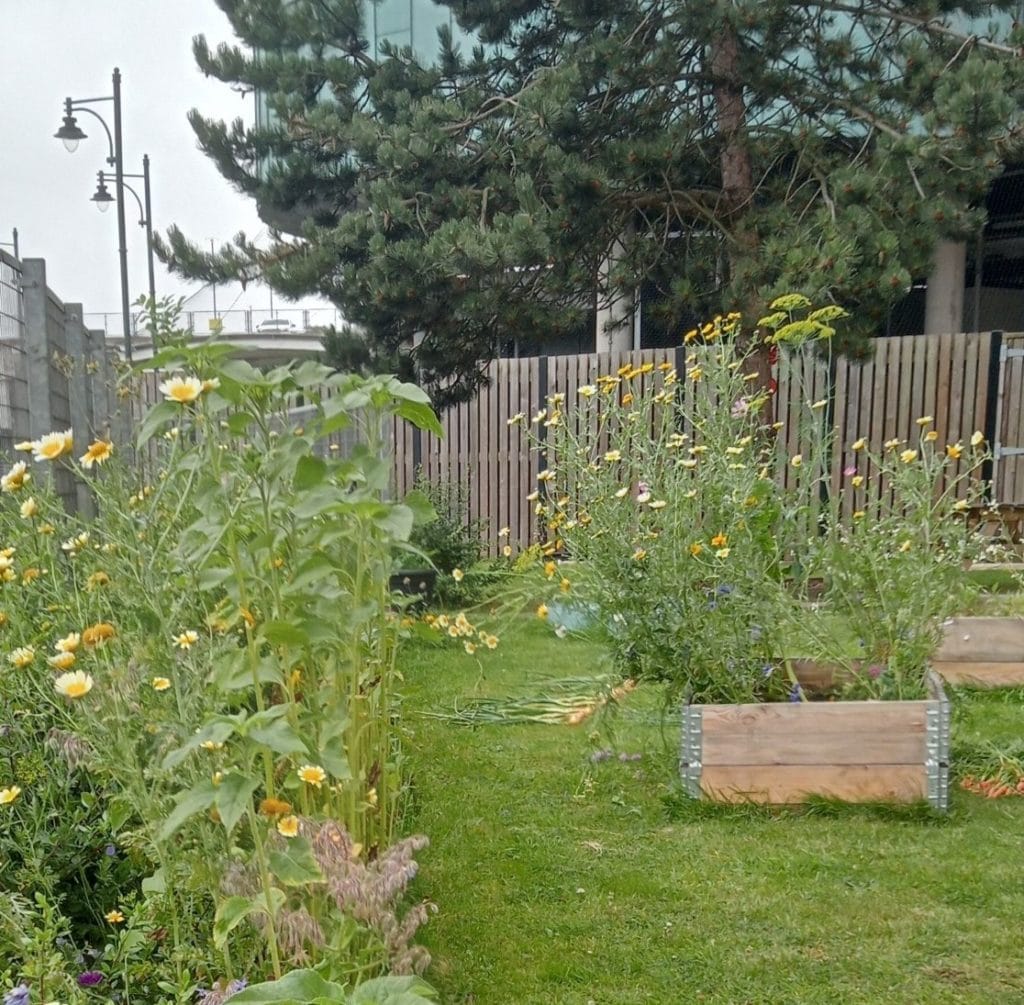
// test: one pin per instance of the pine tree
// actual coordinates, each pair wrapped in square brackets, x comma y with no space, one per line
[725,151]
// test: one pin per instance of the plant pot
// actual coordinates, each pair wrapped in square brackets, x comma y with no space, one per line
[784,753]
[982,652]
[414,582]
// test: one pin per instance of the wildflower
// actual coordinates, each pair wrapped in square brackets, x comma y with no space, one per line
[62,661]
[627,399]
[960,506]
[795,693]
[908,456]
[288,826]
[796,460]
[68,644]
[859,444]
[312,774]
[550,568]
[954,450]
[491,641]
[211,745]
[587,391]
[925,420]
[183,390]
[46,528]
[8,795]
[25,446]
[733,451]
[98,452]
[542,611]
[98,578]
[160,683]
[90,978]
[53,445]
[740,407]
[856,481]
[21,657]
[506,550]
[696,548]
[688,463]
[858,514]
[516,419]
[17,995]
[695,373]
[96,635]
[658,504]
[622,493]
[30,575]
[533,496]
[75,684]
[905,546]
[211,384]
[819,404]
[612,456]
[15,478]
[271,807]
[29,508]
[458,575]
[469,647]
[892,444]
[719,540]
[540,416]
[639,555]
[564,585]
[187,639]
[504,532]
[546,476]
[115,917]
[931,436]
[977,438]
[722,553]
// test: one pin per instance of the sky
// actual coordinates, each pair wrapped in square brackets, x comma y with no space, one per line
[52,49]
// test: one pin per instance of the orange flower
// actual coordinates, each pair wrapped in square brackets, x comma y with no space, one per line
[719,540]
[96,635]
[274,807]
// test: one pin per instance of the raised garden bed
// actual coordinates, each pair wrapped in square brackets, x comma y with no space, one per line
[982,652]
[784,753]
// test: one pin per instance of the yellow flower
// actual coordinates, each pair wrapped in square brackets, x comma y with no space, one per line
[96,635]
[908,456]
[719,540]
[312,774]
[115,917]
[622,493]
[62,661]
[856,481]
[892,444]
[187,639]
[859,444]
[98,452]
[491,641]
[98,578]
[564,585]
[217,777]
[722,553]
[181,389]
[613,455]
[288,826]
[658,504]
[46,528]
[550,568]
[925,420]
[211,745]
[458,575]
[469,647]
[506,550]
[31,574]
[954,450]
[25,446]
[696,548]
[796,460]
[271,807]
[695,373]
[160,683]
[8,795]
[504,532]
[905,546]
[587,391]
[516,419]
[639,555]
[858,514]
[74,684]
[53,445]
[931,436]
[546,476]
[15,478]
[68,644]
[819,404]
[21,657]
[960,506]
[542,611]
[977,438]
[210,384]
[627,399]
[29,508]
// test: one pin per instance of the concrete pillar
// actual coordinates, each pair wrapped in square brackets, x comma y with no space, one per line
[98,379]
[944,298]
[79,398]
[615,307]
[38,347]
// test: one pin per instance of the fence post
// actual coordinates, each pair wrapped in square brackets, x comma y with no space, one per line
[993,400]
[38,347]
[79,398]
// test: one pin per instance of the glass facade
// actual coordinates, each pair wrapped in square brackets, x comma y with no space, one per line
[412,23]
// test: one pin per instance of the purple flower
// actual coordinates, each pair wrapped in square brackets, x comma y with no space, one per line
[235,986]
[17,996]
[875,671]
[90,979]
[796,693]
[849,470]
[110,851]
[767,670]
[739,407]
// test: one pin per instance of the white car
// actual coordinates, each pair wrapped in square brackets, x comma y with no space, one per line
[274,325]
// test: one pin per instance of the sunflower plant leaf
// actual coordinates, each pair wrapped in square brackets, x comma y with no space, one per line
[188,803]
[233,798]
[294,865]
[157,416]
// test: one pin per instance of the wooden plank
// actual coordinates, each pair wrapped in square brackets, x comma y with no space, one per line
[782,785]
[1001,673]
[982,640]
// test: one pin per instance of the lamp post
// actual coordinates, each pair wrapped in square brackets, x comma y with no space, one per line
[71,134]
[103,199]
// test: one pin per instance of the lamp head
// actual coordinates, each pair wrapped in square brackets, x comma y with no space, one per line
[101,196]
[70,133]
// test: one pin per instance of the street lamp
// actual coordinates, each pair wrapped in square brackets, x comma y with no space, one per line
[103,199]
[71,134]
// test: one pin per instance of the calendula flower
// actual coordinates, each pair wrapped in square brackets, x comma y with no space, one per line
[612,456]
[954,450]
[542,611]
[274,807]
[796,460]
[160,683]
[719,540]
[29,508]
[98,578]
[96,635]
[696,548]
[931,436]
[187,639]
[182,390]
[115,917]
[53,445]
[74,684]
[908,456]
[21,657]
[98,452]
[458,575]
[288,826]
[312,774]
[68,644]
[977,438]
[8,795]
[856,481]
[62,661]
[859,444]
[15,478]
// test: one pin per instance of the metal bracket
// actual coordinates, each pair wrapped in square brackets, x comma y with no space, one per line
[937,748]
[691,749]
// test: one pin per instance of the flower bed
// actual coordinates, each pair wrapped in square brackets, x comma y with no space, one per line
[982,652]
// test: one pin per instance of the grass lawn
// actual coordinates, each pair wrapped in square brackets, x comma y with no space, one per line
[562,881]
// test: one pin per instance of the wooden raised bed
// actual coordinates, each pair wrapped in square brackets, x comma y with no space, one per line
[782,753]
[982,652]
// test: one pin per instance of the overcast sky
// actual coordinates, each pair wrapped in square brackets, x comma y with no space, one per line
[52,49]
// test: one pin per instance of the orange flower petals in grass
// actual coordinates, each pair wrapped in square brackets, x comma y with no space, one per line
[96,635]
[270,807]
[76,684]
[53,446]
[97,453]
[182,390]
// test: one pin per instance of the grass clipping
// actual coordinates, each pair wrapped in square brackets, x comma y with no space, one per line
[564,702]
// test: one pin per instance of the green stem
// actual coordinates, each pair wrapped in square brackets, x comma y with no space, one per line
[267,886]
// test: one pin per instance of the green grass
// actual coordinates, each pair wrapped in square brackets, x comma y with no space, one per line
[561,881]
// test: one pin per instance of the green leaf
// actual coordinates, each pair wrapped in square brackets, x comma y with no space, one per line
[335,760]
[200,797]
[315,568]
[309,472]
[215,732]
[284,633]
[155,418]
[157,883]
[295,865]
[212,577]
[423,510]
[298,987]
[393,991]
[239,423]
[241,372]
[230,913]
[118,810]
[234,797]
[279,737]
[420,415]
[397,522]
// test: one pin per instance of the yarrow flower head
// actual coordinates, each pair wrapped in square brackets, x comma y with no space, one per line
[75,684]
[182,390]
[53,445]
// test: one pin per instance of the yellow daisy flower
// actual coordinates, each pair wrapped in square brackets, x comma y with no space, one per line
[312,774]
[977,438]
[8,795]
[62,661]
[160,683]
[954,450]
[74,684]
[98,452]
[15,478]
[115,917]
[187,639]
[908,456]
[68,644]
[21,657]
[542,611]
[29,508]
[288,826]
[182,390]
[859,444]
[53,445]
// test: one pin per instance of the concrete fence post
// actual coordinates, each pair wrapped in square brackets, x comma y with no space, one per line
[38,347]
[98,379]
[79,397]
